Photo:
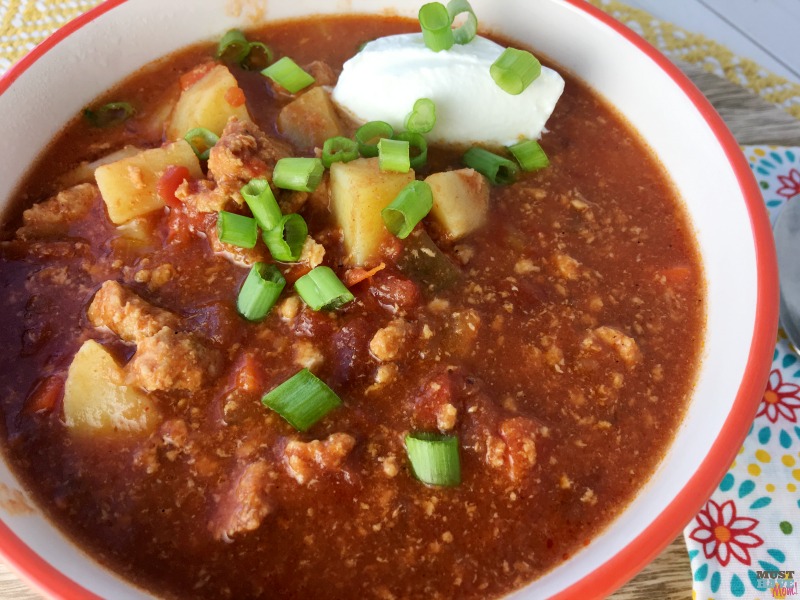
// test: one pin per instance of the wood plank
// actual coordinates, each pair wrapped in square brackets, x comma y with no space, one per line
[695,17]
[669,577]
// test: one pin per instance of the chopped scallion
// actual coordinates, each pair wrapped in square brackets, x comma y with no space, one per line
[286,73]
[418,147]
[435,22]
[338,149]
[321,289]
[409,207]
[233,47]
[201,140]
[499,170]
[529,155]
[285,241]
[259,197]
[422,117]
[434,458]
[302,400]
[109,114]
[260,291]
[369,134]
[236,229]
[299,174]
[464,33]
[515,70]
[393,155]
[259,56]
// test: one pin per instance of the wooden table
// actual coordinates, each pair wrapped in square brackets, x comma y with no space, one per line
[753,121]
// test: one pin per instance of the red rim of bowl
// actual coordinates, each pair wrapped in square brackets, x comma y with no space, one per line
[637,554]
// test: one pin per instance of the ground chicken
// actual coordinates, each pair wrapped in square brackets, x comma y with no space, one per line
[625,346]
[390,342]
[312,253]
[305,461]
[567,267]
[307,355]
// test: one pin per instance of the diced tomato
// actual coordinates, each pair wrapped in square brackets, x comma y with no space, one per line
[189,79]
[295,272]
[677,277]
[235,96]
[45,395]
[178,231]
[357,275]
[395,290]
[250,375]
[168,183]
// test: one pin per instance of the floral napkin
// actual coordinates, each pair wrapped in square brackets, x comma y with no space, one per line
[745,542]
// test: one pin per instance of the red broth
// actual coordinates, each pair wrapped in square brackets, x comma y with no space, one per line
[562,357]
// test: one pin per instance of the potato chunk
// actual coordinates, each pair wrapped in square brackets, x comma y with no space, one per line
[310,120]
[460,201]
[84,172]
[359,192]
[129,186]
[205,104]
[96,402]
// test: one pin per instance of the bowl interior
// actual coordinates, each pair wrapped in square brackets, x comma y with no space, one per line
[671,118]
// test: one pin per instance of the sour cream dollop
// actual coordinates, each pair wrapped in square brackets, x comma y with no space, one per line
[382,82]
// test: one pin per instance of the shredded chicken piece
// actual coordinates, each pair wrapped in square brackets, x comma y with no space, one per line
[126,314]
[172,361]
[242,153]
[245,504]
[53,216]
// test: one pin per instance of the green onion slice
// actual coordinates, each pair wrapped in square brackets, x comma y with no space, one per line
[321,289]
[299,174]
[302,400]
[435,22]
[285,72]
[201,140]
[236,229]
[529,155]
[515,70]
[393,155]
[422,117]
[434,458]
[467,30]
[259,197]
[338,149]
[409,207]
[499,170]
[233,47]
[109,114]
[369,134]
[285,241]
[418,145]
[259,56]
[260,291]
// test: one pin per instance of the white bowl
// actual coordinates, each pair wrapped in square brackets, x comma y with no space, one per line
[50,85]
